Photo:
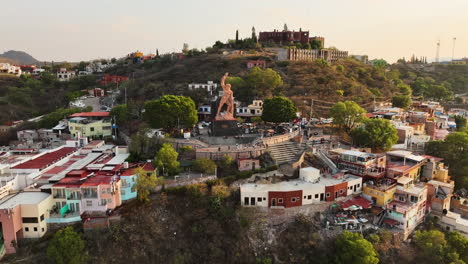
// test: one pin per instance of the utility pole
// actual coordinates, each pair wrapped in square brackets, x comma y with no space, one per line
[311,108]
[453,48]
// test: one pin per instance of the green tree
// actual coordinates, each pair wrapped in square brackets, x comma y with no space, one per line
[146,183]
[454,151]
[316,44]
[352,248]
[204,166]
[459,244]
[380,64]
[438,92]
[402,101]
[278,109]
[67,247]
[405,89]
[419,86]
[378,134]
[263,82]
[171,111]
[461,122]
[120,113]
[430,246]
[347,115]
[166,160]
[308,46]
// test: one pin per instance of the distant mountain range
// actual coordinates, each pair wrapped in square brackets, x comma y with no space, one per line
[17,57]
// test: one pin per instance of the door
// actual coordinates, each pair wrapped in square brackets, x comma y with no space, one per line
[336,195]
[273,202]
[246,200]
[252,200]
[355,188]
[322,197]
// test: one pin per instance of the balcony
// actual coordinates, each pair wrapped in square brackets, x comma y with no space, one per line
[74,197]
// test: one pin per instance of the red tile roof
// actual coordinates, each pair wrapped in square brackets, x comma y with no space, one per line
[91,114]
[358,201]
[46,160]
[98,180]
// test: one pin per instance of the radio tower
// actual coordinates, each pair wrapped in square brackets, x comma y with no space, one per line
[437,52]
[453,48]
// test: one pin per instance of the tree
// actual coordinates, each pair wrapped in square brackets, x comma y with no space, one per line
[459,244]
[171,111]
[263,82]
[120,113]
[378,134]
[204,166]
[352,248]
[278,109]
[461,122]
[419,86]
[67,247]
[438,92]
[430,246]
[316,44]
[380,64]
[347,115]
[145,184]
[454,151]
[166,160]
[308,46]
[402,101]
[405,89]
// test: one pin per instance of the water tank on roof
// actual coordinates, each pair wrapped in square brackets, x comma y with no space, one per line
[309,174]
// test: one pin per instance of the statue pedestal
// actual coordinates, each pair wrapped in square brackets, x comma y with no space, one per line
[225,128]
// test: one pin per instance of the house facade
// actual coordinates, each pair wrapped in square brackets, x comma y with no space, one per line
[90,124]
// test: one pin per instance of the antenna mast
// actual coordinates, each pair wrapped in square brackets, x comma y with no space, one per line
[437,52]
[453,48]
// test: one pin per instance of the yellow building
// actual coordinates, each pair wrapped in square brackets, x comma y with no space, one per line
[90,124]
[380,192]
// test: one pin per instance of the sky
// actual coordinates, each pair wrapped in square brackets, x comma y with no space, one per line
[55,30]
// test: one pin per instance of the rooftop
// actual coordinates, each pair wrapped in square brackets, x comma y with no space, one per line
[47,159]
[11,201]
[91,114]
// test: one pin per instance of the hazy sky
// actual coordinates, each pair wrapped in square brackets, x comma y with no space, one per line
[89,29]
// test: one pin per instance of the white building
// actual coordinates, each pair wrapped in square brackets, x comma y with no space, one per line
[310,188]
[65,75]
[209,86]
[254,109]
[10,69]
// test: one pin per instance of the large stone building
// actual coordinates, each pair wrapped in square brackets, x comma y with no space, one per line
[329,55]
[288,36]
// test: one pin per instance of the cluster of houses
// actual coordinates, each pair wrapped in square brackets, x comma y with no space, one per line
[75,182]
[400,186]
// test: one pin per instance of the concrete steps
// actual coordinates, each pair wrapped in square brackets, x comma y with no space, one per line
[285,152]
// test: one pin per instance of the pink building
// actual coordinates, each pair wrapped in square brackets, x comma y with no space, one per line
[256,63]
[248,164]
[22,215]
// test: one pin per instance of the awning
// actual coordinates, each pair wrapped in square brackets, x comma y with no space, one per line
[356,203]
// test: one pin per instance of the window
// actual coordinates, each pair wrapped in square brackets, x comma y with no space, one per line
[109,200]
[341,191]
[246,200]
[316,196]
[42,229]
[26,229]
[293,199]
[259,199]
[103,202]
[328,194]
[89,203]
[91,129]
[309,197]
[280,200]
[109,190]
[30,220]
[42,218]
[122,192]
[264,198]
[35,229]
[305,197]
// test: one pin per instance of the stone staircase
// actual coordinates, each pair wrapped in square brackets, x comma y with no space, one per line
[325,160]
[285,152]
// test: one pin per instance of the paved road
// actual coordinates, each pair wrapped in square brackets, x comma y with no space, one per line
[94,102]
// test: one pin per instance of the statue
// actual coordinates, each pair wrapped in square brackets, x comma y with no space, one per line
[227,99]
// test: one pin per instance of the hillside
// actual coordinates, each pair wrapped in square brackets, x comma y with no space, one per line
[17,57]
[194,227]
[345,80]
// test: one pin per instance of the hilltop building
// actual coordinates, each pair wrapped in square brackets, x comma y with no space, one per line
[90,124]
